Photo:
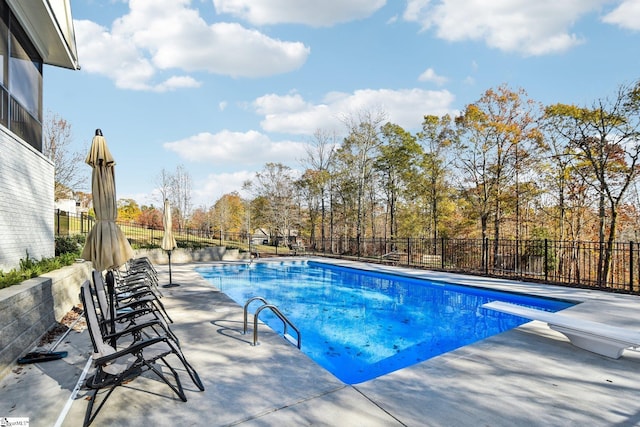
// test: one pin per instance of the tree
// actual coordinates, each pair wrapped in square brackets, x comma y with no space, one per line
[69,165]
[606,140]
[570,196]
[275,184]
[164,182]
[437,137]
[150,217]
[177,188]
[200,220]
[128,210]
[316,180]
[181,192]
[309,187]
[496,129]
[229,213]
[360,148]
[395,164]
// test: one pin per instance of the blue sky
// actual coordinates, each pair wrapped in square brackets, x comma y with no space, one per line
[224,86]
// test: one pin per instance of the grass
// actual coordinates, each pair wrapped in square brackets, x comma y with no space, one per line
[68,249]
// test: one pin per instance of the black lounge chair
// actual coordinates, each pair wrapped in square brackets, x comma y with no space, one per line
[117,366]
[137,311]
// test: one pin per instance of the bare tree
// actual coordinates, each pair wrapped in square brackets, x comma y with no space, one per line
[320,151]
[69,173]
[177,188]
[181,188]
[163,181]
[275,184]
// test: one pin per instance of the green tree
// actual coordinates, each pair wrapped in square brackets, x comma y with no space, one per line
[394,165]
[437,137]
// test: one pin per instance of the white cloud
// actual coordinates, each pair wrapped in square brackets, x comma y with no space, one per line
[216,185]
[109,54]
[177,82]
[626,15]
[164,36]
[309,12]
[429,75]
[292,114]
[529,27]
[236,148]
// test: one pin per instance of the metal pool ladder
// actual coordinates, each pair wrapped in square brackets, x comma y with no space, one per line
[265,305]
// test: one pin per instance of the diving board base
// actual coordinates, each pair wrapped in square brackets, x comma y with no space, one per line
[599,338]
[599,345]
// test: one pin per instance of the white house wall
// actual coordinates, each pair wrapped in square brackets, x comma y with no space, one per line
[26,203]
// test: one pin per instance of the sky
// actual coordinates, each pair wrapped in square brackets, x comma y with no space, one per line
[221,87]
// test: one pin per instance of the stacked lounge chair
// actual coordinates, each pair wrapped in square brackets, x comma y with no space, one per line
[130,333]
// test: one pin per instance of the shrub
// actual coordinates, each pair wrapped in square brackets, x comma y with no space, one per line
[191,245]
[30,268]
[69,244]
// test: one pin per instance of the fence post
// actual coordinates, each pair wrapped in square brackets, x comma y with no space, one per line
[57,222]
[546,259]
[485,254]
[631,266]
[442,253]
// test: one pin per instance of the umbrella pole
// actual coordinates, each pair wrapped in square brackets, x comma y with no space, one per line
[171,284]
[112,306]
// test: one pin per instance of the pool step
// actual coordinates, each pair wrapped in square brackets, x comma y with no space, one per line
[285,321]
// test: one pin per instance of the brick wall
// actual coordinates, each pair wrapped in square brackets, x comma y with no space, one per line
[26,202]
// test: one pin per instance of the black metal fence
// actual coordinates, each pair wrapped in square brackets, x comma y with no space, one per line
[580,264]
[568,263]
[143,236]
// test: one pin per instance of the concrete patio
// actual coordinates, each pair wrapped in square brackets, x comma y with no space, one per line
[529,376]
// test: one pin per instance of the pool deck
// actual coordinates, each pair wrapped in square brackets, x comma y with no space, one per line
[529,376]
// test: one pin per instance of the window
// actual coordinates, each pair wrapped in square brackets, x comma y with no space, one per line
[4,51]
[21,81]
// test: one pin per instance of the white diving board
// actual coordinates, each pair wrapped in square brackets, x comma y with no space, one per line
[596,337]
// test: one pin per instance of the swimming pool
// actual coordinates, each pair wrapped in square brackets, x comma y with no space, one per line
[362,324]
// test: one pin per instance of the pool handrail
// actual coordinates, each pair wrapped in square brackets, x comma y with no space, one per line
[246,308]
[285,321]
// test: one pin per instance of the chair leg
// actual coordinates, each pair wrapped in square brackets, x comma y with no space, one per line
[90,415]
[177,388]
[161,306]
[191,371]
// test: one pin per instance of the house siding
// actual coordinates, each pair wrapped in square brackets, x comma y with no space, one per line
[26,202]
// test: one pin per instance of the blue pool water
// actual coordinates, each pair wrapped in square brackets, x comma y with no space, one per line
[360,324]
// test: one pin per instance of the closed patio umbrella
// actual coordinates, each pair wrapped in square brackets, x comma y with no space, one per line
[168,241]
[106,246]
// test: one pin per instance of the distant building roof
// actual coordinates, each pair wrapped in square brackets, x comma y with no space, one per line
[49,25]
